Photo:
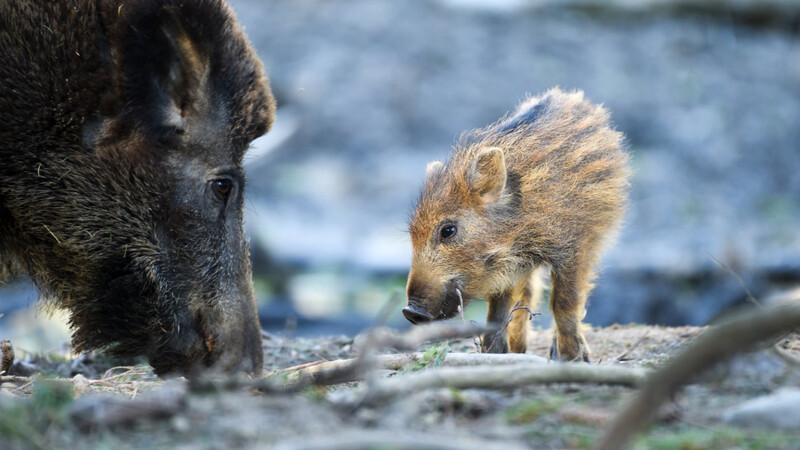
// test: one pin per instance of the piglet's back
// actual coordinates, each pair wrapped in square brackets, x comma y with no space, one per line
[567,168]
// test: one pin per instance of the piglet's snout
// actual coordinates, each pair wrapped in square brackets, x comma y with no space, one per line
[414,314]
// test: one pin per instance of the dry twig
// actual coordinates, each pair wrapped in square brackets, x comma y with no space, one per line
[508,322]
[624,355]
[736,276]
[719,343]
[129,370]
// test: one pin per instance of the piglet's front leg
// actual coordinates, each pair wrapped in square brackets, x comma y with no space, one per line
[499,307]
[570,287]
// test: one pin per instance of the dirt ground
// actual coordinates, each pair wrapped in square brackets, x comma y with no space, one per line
[86,403]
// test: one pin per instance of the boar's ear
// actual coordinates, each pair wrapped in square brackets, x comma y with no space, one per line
[487,176]
[166,74]
[434,168]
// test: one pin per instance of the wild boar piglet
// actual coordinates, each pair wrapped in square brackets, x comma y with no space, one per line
[545,186]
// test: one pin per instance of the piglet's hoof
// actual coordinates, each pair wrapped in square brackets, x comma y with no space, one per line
[500,344]
[581,355]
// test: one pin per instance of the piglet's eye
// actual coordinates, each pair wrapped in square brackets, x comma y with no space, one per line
[448,231]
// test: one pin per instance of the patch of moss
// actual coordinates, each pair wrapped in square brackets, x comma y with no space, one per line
[432,357]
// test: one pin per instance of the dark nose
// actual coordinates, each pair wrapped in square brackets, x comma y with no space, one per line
[415,316]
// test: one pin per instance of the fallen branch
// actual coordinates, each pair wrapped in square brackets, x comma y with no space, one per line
[323,370]
[719,343]
[14,379]
[503,377]
[300,366]
[343,371]
[328,373]
[369,342]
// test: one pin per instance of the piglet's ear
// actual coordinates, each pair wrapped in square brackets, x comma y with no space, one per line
[434,168]
[487,176]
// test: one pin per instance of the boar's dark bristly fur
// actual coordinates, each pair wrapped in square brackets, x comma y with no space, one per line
[544,186]
[122,131]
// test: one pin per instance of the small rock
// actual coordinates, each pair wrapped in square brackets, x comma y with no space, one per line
[80,385]
[776,411]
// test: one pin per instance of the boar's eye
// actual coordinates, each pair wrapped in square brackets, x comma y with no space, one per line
[448,231]
[222,188]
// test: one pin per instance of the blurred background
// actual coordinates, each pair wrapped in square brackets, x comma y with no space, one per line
[369,91]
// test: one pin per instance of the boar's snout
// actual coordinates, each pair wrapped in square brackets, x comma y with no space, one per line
[225,337]
[414,315]
[240,346]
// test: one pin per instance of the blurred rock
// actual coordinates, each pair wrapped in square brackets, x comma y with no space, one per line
[97,411]
[775,411]
[80,385]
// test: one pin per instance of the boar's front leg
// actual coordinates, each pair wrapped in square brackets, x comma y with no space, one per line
[515,337]
[567,301]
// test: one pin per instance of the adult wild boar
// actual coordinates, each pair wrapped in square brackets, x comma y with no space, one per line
[543,186]
[122,130]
